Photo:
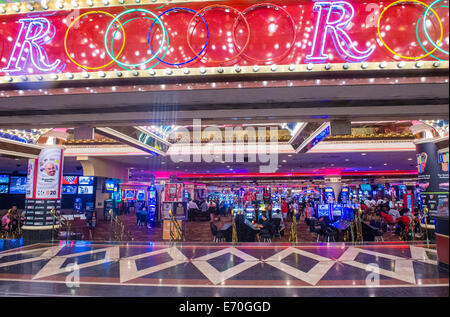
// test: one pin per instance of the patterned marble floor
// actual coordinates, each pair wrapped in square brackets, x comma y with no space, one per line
[161,269]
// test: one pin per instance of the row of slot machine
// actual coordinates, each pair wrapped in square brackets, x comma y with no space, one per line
[401,194]
[136,198]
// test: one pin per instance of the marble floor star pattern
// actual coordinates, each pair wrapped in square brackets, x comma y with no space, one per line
[194,269]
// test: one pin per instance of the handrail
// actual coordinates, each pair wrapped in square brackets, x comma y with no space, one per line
[293,234]
[178,234]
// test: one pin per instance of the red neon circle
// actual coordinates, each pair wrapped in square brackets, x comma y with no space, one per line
[292,42]
[223,7]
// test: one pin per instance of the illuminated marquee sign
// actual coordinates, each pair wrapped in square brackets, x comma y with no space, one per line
[220,37]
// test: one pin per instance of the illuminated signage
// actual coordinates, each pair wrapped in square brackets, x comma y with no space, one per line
[154,40]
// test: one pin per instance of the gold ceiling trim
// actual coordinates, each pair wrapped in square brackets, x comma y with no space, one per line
[229,71]
[11,7]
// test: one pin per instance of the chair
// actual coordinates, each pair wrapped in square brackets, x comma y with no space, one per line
[316,228]
[328,232]
[277,223]
[266,235]
[389,220]
[217,234]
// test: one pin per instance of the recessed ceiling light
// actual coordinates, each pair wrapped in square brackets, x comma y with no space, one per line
[385,164]
[290,155]
[410,159]
[363,154]
[284,161]
[347,159]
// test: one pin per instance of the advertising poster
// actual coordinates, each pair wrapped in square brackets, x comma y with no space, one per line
[173,192]
[433,177]
[30,178]
[49,173]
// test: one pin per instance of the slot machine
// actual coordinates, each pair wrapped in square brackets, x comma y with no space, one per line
[275,208]
[329,195]
[152,211]
[78,205]
[336,211]
[408,200]
[345,195]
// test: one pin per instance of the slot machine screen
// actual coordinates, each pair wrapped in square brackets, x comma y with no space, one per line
[129,194]
[3,189]
[140,195]
[337,210]
[365,187]
[116,196]
[322,211]
[249,213]
[4,179]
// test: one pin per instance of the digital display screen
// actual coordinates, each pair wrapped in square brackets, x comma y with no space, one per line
[85,190]
[69,189]
[129,194]
[3,189]
[345,190]
[322,211]
[70,180]
[4,179]
[141,195]
[86,180]
[365,187]
[337,210]
[18,185]
[116,196]
[110,186]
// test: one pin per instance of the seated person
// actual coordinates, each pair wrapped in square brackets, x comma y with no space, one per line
[403,220]
[6,221]
[279,216]
[266,225]
[309,211]
[394,213]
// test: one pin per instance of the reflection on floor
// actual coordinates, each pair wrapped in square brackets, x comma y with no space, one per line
[195,231]
[160,269]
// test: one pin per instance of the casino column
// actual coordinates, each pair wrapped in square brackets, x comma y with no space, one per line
[44,178]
